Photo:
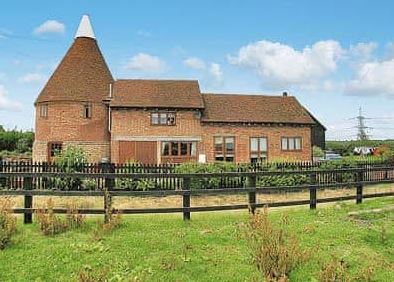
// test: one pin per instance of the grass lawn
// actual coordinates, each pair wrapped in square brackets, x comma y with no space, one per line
[210,247]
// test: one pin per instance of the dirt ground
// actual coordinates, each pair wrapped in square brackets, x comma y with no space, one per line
[203,200]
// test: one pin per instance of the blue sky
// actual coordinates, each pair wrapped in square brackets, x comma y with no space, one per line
[334,56]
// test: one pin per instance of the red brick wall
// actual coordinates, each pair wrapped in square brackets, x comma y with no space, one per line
[132,124]
[65,122]
[242,135]
[137,123]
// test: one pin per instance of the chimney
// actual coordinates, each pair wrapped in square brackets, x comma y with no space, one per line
[285,94]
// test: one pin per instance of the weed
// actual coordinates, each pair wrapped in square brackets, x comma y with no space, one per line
[334,271]
[48,222]
[87,275]
[274,252]
[73,218]
[7,222]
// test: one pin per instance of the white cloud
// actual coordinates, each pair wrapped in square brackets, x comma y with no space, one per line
[147,63]
[282,66]
[32,78]
[373,78]
[216,73]
[362,52]
[5,103]
[50,26]
[194,63]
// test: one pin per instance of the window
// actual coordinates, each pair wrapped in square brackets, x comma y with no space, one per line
[44,110]
[163,118]
[258,149]
[87,111]
[224,148]
[55,148]
[184,149]
[291,143]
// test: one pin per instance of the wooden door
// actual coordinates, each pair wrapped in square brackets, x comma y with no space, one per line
[144,152]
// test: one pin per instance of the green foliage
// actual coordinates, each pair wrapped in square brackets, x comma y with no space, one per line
[14,140]
[72,159]
[134,184]
[208,183]
[317,152]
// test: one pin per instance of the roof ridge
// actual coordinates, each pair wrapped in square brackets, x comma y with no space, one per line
[159,80]
[247,95]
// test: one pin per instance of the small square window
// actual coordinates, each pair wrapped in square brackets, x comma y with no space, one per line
[44,110]
[87,111]
[155,118]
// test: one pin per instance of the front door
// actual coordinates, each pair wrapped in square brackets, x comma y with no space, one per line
[144,152]
[54,148]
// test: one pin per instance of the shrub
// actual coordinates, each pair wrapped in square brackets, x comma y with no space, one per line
[50,224]
[7,223]
[208,183]
[72,159]
[73,218]
[317,152]
[274,252]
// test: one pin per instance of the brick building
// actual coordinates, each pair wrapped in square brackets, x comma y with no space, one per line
[160,121]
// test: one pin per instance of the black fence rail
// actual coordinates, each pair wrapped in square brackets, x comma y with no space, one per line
[200,184]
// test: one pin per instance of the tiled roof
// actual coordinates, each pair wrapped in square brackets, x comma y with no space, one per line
[82,75]
[157,94]
[254,108]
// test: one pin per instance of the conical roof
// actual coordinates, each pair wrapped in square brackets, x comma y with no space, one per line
[82,75]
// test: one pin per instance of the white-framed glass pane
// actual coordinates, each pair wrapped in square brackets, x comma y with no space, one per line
[229,143]
[174,148]
[155,118]
[263,144]
[193,149]
[171,119]
[291,144]
[284,144]
[163,118]
[184,148]
[218,144]
[253,144]
[165,148]
[298,143]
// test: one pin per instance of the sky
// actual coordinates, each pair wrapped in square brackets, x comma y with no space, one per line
[334,56]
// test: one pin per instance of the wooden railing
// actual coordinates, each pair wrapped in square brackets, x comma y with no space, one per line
[191,185]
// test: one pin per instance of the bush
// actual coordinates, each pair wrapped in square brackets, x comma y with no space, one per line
[50,224]
[317,152]
[14,140]
[208,183]
[282,180]
[7,223]
[72,159]
[273,251]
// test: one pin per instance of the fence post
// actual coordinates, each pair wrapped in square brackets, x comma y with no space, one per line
[359,188]
[2,179]
[186,198]
[252,201]
[313,193]
[109,185]
[28,203]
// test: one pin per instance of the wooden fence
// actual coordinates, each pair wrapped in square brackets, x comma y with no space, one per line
[195,184]
[160,183]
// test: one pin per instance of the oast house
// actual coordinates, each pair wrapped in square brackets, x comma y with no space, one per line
[162,121]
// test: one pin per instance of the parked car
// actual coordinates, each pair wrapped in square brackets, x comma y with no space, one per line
[331,156]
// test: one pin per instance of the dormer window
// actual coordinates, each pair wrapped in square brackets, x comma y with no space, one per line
[163,118]
[87,111]
[44,110]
